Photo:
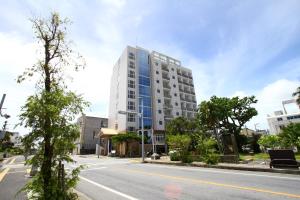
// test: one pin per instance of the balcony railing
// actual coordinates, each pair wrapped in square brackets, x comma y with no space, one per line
[166,86]
[165,77]
[168,106]
[165,69]
[166,95]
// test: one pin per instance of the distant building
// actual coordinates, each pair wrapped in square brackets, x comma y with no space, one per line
[249,132]
[281,119]
[89,129]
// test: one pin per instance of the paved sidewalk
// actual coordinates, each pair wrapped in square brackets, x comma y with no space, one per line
[246,167]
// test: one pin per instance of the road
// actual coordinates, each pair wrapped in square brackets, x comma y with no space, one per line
[112,178]
[13,178]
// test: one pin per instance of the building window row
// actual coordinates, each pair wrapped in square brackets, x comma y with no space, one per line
[131,65]
[131,117]
[131,84]
[131,56]
[131,94]
[131,105]
[131,74]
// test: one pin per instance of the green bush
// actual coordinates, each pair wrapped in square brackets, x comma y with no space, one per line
[206,147]
[180,143]
[174,156]
[186,158]
[269,141]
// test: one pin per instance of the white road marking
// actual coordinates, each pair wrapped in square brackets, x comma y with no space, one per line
[93,169]
[109,189]
[227,172]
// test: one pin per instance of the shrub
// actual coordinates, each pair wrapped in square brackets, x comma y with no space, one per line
[206,147]
[269,141]
[174,155]
[180,143]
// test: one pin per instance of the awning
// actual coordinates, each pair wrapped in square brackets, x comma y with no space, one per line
[106,132]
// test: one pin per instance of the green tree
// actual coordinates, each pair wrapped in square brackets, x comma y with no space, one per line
[184,126]
[52,109]
[222,114]
[297,93]
[290,135]
[180,144]
[269,141]
[181,126]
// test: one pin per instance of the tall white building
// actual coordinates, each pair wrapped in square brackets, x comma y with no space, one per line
[161,82]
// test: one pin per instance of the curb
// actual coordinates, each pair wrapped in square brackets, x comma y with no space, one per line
[282,171]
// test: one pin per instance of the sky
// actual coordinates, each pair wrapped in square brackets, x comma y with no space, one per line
[234,48]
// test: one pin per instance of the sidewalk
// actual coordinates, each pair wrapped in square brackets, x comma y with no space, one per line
[232,166]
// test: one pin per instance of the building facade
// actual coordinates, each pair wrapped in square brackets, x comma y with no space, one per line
[89,130]
[153,83]
[280,120]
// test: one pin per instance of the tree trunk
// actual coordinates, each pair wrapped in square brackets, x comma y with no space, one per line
[48,150]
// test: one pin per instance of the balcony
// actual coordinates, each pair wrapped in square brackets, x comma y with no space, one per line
[166,77]
[191,84]
[166,86]
[180,89]
[179,73]
[167,95]
[168,106]
[179,81]
[164,68]
[168,115]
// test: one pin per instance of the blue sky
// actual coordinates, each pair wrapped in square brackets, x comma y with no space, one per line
[233,47]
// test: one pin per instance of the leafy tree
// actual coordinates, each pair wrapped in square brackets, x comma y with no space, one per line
[222,114]
[181,126]
[290,135]
[269,141]
[180,143]
[297,93]
[184,126]
[5,142]
[50,111]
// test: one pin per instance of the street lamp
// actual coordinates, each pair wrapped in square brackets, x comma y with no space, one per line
[141,116]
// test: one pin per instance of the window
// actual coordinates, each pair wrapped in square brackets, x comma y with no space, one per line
[177,113]
[173,77]
[174,86]
[131,84]
[131,94]
[159,138]
[131,55]
[160,122]
[156,63]
[159,111]
[158,91]
[131,74]
[130,128]
[279,119]
[131,117]
[175,94]
[176,104]
[157,72]
[172,69]
[158,101]
[131,105]
[157,81]
[131,65]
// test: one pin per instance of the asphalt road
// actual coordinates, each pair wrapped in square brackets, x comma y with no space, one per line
[112,178]
[13,179]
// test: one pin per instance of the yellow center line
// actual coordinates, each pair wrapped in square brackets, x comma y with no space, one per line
[214,183]
[3,173]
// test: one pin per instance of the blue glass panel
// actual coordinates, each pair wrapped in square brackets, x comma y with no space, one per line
[146,101]
[144,81]
[144,90]
[146,111]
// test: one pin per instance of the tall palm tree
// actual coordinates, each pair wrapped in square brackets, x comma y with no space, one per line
[297,93]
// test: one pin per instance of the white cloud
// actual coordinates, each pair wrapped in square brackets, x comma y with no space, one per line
[269,100]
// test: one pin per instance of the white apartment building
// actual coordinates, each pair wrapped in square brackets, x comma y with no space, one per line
[161,82]
[281,119]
